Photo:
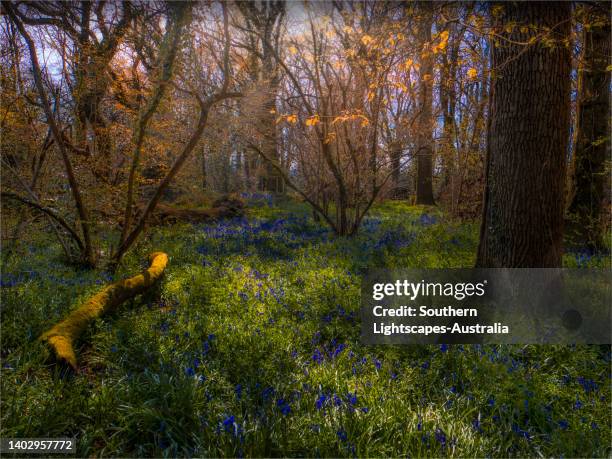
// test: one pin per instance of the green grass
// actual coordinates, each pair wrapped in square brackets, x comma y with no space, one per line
[250,347]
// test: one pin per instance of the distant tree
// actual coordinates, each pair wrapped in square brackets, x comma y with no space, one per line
[522,223]
[201,88]
[424,181]
[336,73]
[199,84]
[95,31]
[589,179]
[263,22]
[84,242]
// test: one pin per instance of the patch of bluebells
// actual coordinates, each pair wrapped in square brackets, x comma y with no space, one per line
[230,425]
[272,238]
[583,257]
[520,432]
[427,220]
[348,401]
[283,406]
[321,401]
[440,437]
[8,280]
[587,384]
[394,239]
[330,351]
[258,199]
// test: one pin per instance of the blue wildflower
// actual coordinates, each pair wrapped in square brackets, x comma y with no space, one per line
[338,350]
[440,437]
[321,401]
[577,404]
[267,393]
[587,384]
[284,407]
[229,423]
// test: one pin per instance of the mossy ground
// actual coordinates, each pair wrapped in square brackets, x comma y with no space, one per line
[250,347]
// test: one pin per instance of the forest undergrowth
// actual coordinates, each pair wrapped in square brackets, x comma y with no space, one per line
[250,347]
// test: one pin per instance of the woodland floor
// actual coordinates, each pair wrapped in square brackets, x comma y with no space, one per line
[250,347]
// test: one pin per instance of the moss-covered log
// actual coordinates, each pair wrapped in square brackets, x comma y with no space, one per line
[62,336]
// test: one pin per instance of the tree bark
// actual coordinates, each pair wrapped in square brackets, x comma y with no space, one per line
[396,156]
[424,191]
[589,179]
[528,131]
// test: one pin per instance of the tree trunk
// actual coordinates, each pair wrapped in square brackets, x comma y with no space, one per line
[424,189]
[528,130]
[271,181]
[265,19]
[203,169]
[447,102]
[589,180]
[396,156]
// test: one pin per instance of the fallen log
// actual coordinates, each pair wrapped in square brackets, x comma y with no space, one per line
[62,336]
[225,207]
[169,215]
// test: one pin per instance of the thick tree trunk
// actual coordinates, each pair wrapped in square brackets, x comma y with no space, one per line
[424,188]
[589,179]
[527,137]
